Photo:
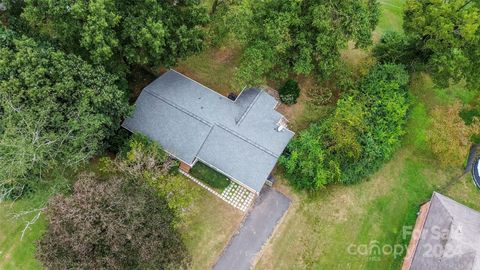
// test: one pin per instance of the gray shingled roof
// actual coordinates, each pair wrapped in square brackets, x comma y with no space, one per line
[450,238]
[191,121]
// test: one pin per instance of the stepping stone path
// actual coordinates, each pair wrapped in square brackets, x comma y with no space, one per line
[235,195]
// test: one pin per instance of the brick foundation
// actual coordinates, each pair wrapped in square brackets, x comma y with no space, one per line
[184,167]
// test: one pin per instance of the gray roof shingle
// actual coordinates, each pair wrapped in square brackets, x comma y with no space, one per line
[192,121]
[450,238]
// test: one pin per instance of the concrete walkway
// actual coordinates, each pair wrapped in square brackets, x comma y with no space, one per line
[237,196]
[255,231]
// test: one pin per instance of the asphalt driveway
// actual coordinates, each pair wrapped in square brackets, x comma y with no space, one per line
[255,231]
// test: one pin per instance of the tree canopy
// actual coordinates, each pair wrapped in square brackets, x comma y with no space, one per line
[449,137]
[54,108]
[110,224]
[142,159]
[282,37]
[447,37]
[364,130]
[145,32]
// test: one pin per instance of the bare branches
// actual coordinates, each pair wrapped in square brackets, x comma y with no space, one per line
[29,222]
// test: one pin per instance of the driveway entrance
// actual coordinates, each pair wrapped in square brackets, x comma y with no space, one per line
[254,232]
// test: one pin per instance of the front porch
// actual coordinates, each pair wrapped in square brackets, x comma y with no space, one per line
[224,188]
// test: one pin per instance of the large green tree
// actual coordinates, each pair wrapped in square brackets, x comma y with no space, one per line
[111,224]
[447,37]
[281,36]
[144,32]
[384,95]
[142,159]
[55,109]
[364,130]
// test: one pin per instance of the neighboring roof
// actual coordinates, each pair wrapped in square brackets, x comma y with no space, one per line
[450,238]
[190,121]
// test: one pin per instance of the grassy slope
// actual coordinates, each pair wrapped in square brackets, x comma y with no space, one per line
[215,68]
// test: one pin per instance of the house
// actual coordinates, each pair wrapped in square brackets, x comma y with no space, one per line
[242,139]
[448,237]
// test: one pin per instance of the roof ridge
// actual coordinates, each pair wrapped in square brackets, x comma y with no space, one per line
[440,201]
[178,107]
[445,201]
[203,143]
[247,140]
[249,107]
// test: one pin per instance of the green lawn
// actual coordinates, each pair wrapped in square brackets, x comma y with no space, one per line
[210,176]
[208,227]
[392,16]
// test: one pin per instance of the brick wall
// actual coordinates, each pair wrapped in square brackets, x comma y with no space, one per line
[184,167]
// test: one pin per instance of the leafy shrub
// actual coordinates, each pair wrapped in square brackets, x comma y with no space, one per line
[392,48]
[141,154]
[468,115]
[306,160]
[210,176]
[364,130]
[289,92]
[144,160]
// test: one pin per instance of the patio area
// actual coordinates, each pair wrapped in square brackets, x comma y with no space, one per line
[238,196]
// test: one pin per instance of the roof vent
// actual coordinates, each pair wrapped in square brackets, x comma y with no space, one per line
[232,96]
[282,124]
